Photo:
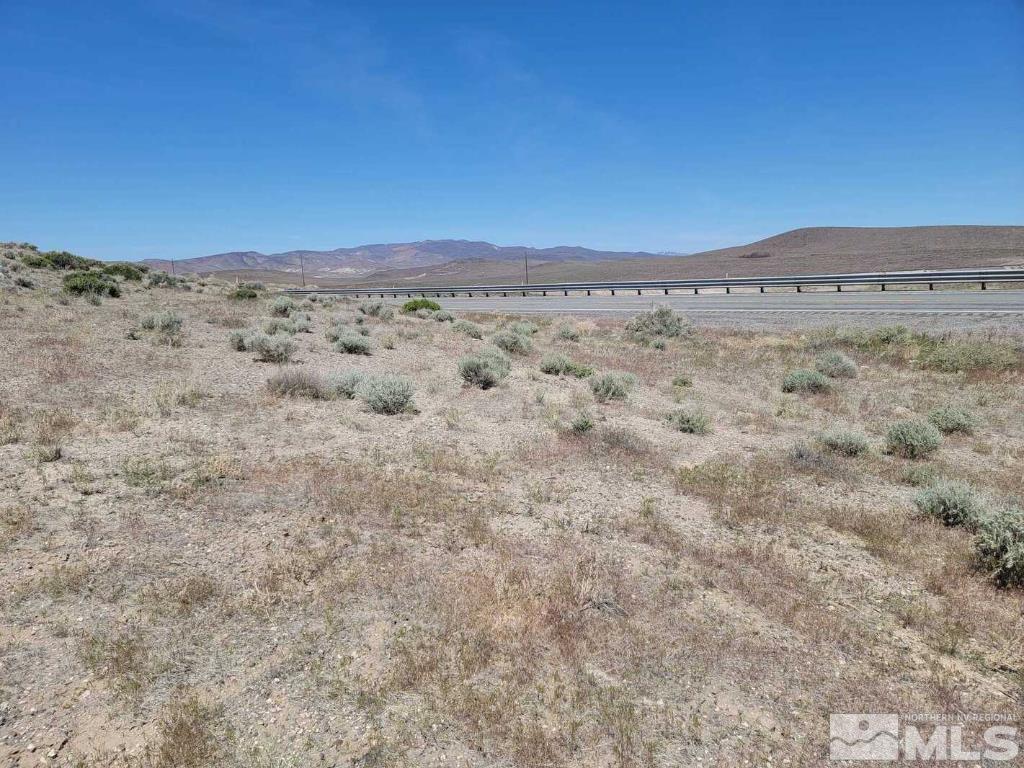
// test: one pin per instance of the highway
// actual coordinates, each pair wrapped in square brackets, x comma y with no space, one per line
[1003,308]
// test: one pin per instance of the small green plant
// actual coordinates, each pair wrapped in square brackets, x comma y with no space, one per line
[662,321]
[803,380]
[581,423]
[386,394]
[612,386]
[467,328]
[416,304]
[282,306]
[835,365]
[485,369]
[568,333]
[951,502]
[999,546]
[844,441]
[557,365]
[444,316]
[352,344]
[912,439]
[690,419]
[511,342]
[91,284]
[950,418]
[345,384]
[271,349]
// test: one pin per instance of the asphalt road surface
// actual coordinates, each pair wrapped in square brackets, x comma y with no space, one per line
[994,308]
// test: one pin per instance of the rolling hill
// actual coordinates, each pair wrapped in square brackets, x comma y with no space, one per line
[799,251]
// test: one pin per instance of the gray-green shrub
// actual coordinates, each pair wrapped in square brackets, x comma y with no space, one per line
[844,441]
[386,394]
[282,306]
[345,384]
[444,316]
[568,333]
[377,309]
[279,325]
[352,344]
[511,342]
[662,321]
[485,369]
[297,383]
[952,503]
[472,330]
[835,365]
[803,380]
[424,313]
[612,386]
[271,349]
[690,419]
[912,439]
[524,327]
[950,418]
[999,546]
[165,322]
[556,365]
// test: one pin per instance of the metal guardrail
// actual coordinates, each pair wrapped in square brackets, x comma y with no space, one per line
[929,277]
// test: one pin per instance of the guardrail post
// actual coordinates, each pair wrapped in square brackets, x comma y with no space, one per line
[983,286]
[931,286]
[727,289]
[798,289]
[883,287]
[666,291]
[839,287]
[543,293]
[505,294]
[613,291]
[565,293]
[762,288]
[588,291]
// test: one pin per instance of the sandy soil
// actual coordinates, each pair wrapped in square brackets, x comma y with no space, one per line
[213,574]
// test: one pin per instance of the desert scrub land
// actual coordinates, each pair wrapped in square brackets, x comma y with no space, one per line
[238,530]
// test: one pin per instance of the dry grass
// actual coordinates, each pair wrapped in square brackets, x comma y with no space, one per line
[225,564]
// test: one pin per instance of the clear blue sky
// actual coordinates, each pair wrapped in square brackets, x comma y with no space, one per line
[186,127]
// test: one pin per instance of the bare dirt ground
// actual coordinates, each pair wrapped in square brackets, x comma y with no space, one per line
[213,574]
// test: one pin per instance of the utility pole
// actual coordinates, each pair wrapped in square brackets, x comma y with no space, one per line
[302,270]
[526,263]
[172,266]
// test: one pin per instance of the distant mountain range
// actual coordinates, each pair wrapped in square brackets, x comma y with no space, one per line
[799,251]
[368,259]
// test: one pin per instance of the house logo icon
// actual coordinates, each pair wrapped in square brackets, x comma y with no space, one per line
[864,737]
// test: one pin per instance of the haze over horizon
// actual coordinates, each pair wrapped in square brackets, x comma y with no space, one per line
[175,130]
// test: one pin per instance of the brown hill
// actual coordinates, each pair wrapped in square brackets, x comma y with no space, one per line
[800,251]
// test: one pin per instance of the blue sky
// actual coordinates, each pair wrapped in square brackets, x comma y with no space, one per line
[185,127]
